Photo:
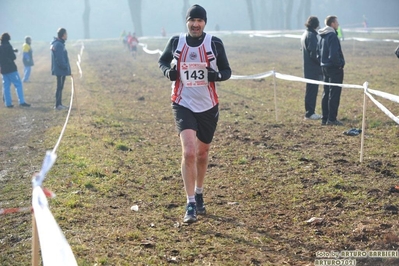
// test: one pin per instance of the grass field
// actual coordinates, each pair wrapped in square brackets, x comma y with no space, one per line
[266,178]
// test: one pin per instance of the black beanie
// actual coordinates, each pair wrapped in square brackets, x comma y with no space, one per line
[196,11]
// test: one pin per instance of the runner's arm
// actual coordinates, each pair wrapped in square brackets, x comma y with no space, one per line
[167,55]
[221,59]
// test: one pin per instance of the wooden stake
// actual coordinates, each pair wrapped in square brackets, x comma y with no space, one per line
[363,121]
[35,242]
[275,95]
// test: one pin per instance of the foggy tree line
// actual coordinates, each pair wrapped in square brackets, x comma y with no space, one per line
[277,14]
[262,14]
[135,13]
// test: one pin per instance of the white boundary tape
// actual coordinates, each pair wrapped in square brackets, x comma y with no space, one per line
[255,76]
[368,92]
[382,107]
[148,51]
[55,249]
[299,36]
[276,34]
[385,95]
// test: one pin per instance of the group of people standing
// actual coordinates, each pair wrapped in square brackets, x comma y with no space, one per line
[60,67]
[323,60]
[9,71]
[130,41]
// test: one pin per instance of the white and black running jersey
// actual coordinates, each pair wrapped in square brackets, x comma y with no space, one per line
[192,89]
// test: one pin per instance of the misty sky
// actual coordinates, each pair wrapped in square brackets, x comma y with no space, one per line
[41,18]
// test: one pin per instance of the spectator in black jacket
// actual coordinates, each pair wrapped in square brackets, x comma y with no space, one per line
[332,64]
[60,65]
[311,66]
[10,73]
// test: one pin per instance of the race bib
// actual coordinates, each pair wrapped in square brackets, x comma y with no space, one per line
[193,74]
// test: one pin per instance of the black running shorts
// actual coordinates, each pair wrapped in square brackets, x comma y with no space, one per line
[204,123]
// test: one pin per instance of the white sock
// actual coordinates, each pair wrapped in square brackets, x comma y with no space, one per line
[199,190]
[190,199]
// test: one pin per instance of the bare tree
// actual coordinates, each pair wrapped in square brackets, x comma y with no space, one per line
[300,14]
[308,5]
[251,14]
[277,19]
[135,13]
[303,12]
[263,15]
[184,12]
[86,20]
[288,11]
[267,14]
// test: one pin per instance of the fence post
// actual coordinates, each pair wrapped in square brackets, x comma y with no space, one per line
[275,94]
[365,86]
[35,242]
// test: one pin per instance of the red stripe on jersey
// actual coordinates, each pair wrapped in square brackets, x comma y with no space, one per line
[203,57]
[176,97]
[212,93]
[211,85]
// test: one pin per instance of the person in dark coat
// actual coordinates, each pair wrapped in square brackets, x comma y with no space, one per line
[60,65]
[311,66]
[332,64]
[10,73]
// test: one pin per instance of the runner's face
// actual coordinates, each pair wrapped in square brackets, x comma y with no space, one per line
[195,27]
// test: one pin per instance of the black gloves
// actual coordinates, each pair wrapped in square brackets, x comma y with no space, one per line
[171,74]
[213,75]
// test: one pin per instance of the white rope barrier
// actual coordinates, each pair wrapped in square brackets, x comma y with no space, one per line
[385,95]
[382,94]
[281,34]
[367,91]
[371,40]
[295,36]
[148,51]
[382,108]
[54,247]
[294,78]
[256,76]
